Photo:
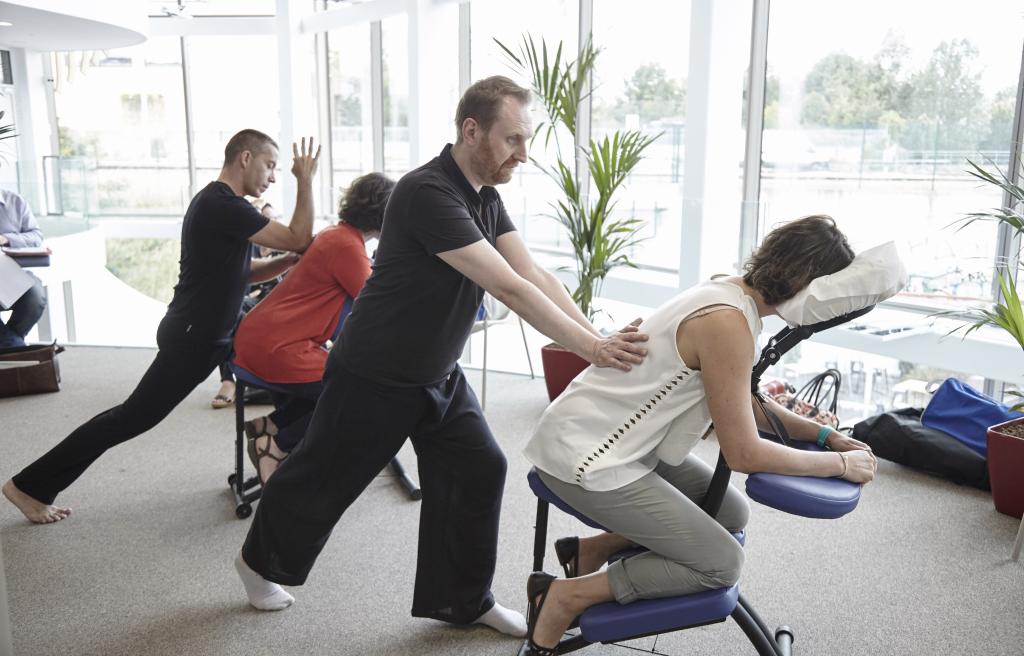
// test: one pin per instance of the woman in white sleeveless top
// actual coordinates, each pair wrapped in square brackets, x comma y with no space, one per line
[616,445]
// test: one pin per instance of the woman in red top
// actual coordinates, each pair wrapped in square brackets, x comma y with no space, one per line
[282,340]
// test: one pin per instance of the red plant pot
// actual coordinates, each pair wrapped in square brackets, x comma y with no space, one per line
[1006,467]
[560,367]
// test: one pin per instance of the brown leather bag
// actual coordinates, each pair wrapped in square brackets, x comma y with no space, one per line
[30,370]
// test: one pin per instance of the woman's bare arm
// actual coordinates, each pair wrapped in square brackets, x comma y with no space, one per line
[721,344]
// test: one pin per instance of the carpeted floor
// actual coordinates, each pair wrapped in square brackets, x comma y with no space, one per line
[144,564]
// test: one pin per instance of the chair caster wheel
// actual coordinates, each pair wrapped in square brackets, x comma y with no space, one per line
[416,494]
[231,480]
[243,510]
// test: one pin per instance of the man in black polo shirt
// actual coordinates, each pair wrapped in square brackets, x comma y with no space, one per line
[195,335]
[446,239]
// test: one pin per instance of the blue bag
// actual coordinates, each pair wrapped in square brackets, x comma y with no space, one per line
[965,413]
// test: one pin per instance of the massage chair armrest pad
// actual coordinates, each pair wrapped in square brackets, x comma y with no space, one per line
[807,496]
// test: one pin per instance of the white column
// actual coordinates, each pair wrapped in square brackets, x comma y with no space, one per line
[465,48]
[376,107]
[431,114]
[297,89]
[719,53]
[31,122]
[324,190]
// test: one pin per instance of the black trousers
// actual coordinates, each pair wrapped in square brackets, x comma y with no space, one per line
[357,427]
[180,365]
[292,411]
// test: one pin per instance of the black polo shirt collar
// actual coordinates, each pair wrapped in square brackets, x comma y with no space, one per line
[487,194]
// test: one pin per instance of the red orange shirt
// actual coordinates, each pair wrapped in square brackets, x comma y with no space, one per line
[281,339]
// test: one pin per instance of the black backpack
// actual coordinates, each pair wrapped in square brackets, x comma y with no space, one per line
[900,436]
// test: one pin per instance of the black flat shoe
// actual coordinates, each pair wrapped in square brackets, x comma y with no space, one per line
[568,552]
[538,585]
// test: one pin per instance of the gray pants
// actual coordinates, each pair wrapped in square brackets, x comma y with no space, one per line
[689,550]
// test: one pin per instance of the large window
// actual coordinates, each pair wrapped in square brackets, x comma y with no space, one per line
[395,43]
[529,195]
[351,105]
[640,84]
[121,121]
[870,383]
[224,101]
[874,124]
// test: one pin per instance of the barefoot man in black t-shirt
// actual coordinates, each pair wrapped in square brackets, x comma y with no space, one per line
[446,239]
[195,335]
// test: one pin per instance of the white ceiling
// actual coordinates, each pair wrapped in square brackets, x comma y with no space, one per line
[73,24]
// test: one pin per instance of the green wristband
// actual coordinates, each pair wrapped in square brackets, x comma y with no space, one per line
[823,434]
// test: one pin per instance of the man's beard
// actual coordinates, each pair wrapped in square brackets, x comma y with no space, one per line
[491,172]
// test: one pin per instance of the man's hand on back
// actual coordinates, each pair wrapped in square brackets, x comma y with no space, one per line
[633,326]
[305,161]
[621,350]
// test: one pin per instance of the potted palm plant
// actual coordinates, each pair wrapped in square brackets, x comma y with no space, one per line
[1005,441]
[588,178]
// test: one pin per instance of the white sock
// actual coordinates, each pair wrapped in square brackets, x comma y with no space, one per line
[262,593]
[504,620]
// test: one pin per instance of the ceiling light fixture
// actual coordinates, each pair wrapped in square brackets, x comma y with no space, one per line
[6,24]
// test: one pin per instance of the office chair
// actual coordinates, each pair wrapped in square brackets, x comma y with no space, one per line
[248,490]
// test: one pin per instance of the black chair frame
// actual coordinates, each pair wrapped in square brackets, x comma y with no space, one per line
[248,490]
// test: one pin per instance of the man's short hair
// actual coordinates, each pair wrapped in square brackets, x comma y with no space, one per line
[482,101]
[252,140]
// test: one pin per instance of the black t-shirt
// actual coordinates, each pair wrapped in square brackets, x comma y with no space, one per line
[215,259]
[411,320]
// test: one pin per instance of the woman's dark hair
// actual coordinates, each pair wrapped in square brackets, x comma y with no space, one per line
[794,254]
[362,206]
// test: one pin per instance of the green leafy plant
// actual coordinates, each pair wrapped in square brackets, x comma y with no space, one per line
[600,240]
[6,131]
[1007,313]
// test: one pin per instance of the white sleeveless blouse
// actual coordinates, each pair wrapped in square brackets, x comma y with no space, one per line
[610,427]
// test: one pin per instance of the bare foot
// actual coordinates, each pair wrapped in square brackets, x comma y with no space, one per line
[36,512]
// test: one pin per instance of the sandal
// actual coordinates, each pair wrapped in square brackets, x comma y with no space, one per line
[538,585]
[221,401]
[568,552]
[256,454]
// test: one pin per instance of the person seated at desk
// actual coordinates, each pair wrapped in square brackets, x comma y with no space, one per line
[616,445]
[282,339]
[18,229]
